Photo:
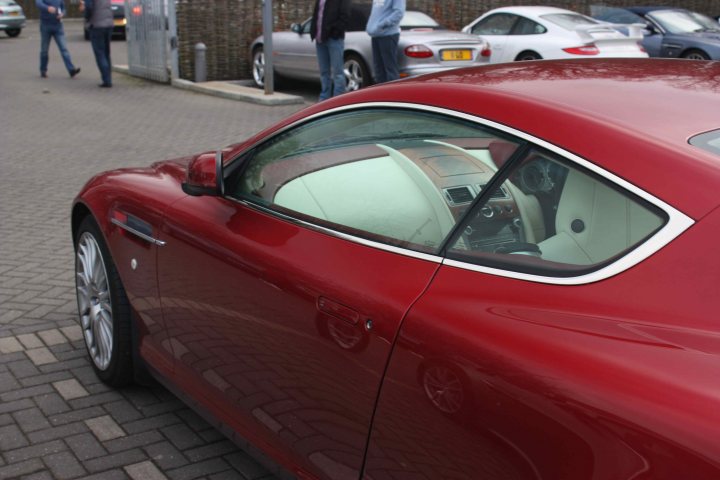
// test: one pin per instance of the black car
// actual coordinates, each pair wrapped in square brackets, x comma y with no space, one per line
[119,20]
[670,32]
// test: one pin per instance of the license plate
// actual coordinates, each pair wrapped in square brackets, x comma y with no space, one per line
[119,22]
[14,14]
[451,55]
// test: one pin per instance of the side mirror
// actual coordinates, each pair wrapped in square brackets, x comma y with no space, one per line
[204,175]
[650,29]
[295,27]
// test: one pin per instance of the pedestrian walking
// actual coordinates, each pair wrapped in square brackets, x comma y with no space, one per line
[384,28]
[51,15]
[327,29]
[99,18]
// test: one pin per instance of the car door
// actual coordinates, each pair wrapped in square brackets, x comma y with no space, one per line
[294,53]
[532,361]
[283,297]
[496,29]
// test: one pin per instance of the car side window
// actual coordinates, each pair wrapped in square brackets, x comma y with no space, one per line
[525,26]
[552,217]
[400,177]
[497,24]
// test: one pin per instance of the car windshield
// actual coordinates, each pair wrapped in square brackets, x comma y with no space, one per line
[7,3]
[417,20]
[569,21]
[615,15]
[680,21]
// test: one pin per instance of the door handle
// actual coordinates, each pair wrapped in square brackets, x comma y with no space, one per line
[338,310]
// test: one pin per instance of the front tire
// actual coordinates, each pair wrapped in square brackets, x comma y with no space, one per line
[356,72]
[103,307]
[13,32]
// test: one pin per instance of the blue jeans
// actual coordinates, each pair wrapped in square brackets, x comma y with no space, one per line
[53,31]
[384,50]
[331,63]
[100,39]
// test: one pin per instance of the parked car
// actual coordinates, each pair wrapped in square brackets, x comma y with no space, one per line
[670,32]
[505,272]
[119,20]
[532,33]
[12,18]
[424,47]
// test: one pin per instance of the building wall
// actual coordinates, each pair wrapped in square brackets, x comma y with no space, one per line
[228,27]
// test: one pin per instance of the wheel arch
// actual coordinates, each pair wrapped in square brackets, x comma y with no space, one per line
[688,50]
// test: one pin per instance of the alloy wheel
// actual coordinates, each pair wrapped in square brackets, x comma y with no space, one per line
[94,301]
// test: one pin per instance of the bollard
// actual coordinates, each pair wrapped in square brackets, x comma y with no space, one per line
[200,64]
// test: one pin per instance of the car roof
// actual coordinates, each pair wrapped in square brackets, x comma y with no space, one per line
[645,10]
[532,11]
[598,109]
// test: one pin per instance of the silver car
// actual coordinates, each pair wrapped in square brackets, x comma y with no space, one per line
[12,18]
[424,47]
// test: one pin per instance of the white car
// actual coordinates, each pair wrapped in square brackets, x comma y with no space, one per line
[533,33]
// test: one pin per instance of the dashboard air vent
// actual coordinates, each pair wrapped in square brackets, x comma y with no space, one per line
[459,195]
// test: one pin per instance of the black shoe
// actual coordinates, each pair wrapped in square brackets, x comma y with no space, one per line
[43,74]
[74,72]
[105,85]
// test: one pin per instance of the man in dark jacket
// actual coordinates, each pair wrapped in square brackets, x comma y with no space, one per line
[329,21]
[51,15]
[99,18]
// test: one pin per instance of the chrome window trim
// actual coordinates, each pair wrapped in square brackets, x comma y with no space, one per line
[345,236]
[147,238]
[677,222]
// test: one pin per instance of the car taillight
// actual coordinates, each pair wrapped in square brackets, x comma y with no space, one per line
[486,52]
[640,46]
[1,12]
[418,51]
[584,50]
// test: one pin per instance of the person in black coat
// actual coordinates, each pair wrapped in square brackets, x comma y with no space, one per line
[329,22]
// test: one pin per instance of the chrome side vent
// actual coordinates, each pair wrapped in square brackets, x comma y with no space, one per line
[498,193]
[459,195]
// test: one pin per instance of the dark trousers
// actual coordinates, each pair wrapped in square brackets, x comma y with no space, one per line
[384,50]
[100,39]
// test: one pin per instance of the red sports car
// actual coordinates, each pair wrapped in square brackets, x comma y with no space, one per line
[508,272]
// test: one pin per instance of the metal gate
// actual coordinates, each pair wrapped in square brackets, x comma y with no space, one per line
[151,43]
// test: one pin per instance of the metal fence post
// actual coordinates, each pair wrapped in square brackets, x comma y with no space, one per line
[200,63]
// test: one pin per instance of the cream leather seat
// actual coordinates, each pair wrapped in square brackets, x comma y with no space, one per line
[595,222]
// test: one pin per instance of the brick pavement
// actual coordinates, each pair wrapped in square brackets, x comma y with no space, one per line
[57,421]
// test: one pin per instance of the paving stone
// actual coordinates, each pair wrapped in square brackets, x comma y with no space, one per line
[30,340]
[31,419]
[108,462]
[23,368]
[182,436]
[165,455]
[10,345]
[44,475]
[51,404]
[116,474]
[122,411]
[34,451]
[85,446]
[8,382]
[16,470]
[144,471]
[133,441]
[20,393]
[70,389]
[22,404]
[209,451]
[73,333]
[76,415]
[57,432]
[151,423]
[105,428]
[196,470]
[41,356]
[64,465]
[11,437]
